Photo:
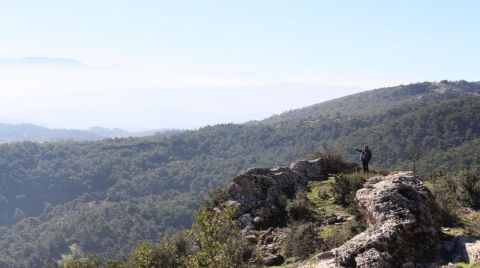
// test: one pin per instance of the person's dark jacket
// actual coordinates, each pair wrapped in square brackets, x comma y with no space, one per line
[366,155]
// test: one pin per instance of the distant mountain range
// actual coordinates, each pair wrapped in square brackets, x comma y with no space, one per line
[42,61]
[30,132]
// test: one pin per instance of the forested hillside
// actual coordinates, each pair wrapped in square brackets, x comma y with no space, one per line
[108,195]
[379,101]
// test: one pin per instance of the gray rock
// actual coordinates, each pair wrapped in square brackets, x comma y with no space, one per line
[258,220]
[245,219]
[251,238]
[403,222]
[273,260]
[408,265]
[373,259]
[232,203]
[259,188]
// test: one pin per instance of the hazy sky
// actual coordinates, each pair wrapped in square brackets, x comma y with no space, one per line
[151,55]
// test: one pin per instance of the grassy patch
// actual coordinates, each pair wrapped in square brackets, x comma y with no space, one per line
[321,198]
[463,265]
[327,231]
[466,265]
[468,224]
[457,231]
[471,222]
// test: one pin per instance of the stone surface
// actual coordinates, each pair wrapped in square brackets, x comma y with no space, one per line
[334,219]
[272,240]
[260,188]
[400,211]
[273,260]
[403,225]
[473,251]
[374,259]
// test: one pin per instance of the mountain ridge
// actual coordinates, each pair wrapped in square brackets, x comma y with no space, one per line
[41,61]
[382,97]
[36,133]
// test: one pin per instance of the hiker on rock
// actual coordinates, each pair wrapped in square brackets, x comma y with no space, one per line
[366,156]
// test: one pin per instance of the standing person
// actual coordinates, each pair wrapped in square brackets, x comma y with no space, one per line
[366,156]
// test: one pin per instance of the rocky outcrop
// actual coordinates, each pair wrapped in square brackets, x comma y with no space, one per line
[258,189]
[403,218]
[260,196]
[403,226]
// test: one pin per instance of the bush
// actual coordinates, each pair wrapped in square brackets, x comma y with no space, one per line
[215,198]
[334,163]
[303,241]
[218,240]
[468,189]
[452,192]
[345,187]
[215,240]
[345,232]
[298,209]
[473,228]
[171,251]
[272,216]
[444,189]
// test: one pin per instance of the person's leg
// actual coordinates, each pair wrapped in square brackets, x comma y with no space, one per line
[365,167]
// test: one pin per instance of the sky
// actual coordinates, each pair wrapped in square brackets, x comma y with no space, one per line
[133,64]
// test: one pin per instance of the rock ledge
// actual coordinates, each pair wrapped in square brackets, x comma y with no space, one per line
[403,226]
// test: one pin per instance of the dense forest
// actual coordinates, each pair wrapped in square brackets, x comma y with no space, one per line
[106,196]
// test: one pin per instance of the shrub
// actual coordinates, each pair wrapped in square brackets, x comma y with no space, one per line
[444,189]
[334,163]
[171,251]
[218,240]
[468,189]
[453,192]
[298,209]
[345,187]
[272,216]
[142,257]
[303,241]
[215,198]
[474,227]
[345,232]
[215,240]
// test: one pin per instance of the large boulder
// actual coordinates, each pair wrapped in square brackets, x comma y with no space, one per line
[264,189]
[403,226]
[260,188]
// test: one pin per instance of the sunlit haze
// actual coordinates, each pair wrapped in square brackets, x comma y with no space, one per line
[185,64]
